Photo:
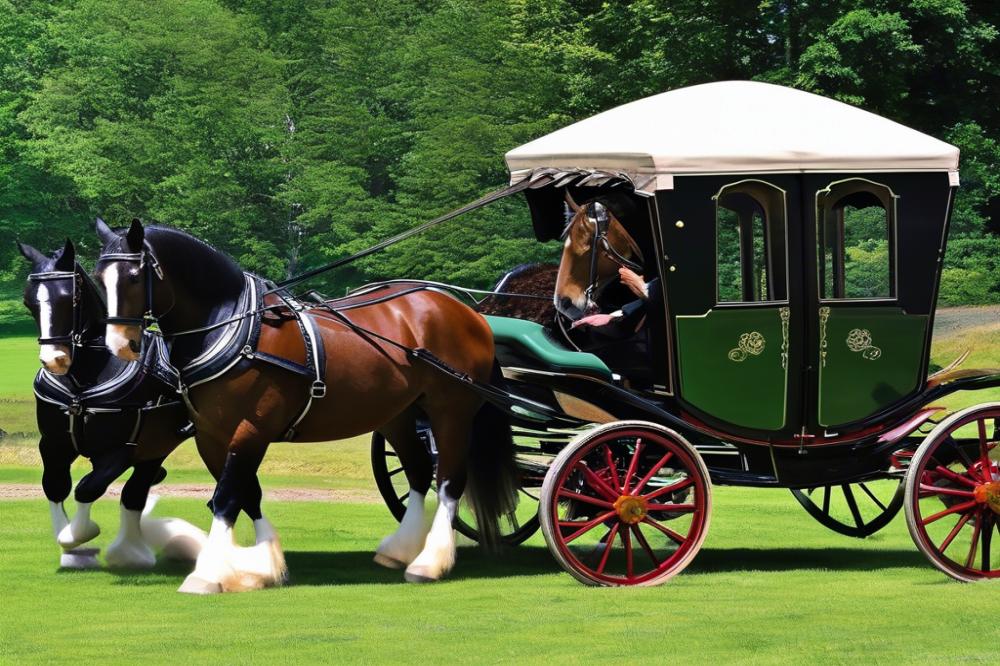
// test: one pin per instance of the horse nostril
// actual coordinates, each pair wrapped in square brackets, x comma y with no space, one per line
[133,346]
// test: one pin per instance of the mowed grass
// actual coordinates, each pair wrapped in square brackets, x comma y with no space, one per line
[770,586]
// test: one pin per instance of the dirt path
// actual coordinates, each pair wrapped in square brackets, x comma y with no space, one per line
[26,491]
[953,321]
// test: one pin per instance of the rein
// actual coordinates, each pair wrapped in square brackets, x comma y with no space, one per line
[602,223]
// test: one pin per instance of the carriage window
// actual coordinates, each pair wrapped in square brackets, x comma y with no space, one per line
[750,241]
[856,219]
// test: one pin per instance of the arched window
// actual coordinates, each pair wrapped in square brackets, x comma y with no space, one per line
[856,221]
[750,243]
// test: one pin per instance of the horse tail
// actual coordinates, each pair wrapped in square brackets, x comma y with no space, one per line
[493,474]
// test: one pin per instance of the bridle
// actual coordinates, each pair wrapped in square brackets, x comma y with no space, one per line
[149,266]
[600,244]
[74,338]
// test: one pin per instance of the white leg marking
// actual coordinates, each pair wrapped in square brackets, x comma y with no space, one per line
[225,567]
[213,565]
[129,549]
[80,530]
[177,539]
[438,556]
[59,518]
[402,546]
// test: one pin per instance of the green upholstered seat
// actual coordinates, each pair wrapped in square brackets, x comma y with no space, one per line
[530,338]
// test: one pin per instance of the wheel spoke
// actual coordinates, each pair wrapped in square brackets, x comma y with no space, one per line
[872,496]
[629,565]
[584,527]
[954,532]
[952,476]
[984,451]
[609,544]
[852,505]
[645,545]
[652,472]
[826,500]
[405,496]
[938,490]
[680,485]
[674,536]
[975,542]
[390,452]
[632,466]
[597,482]
[673,508]
[955,508]
[396,471]
[587,499]
[987,538]
[613,466]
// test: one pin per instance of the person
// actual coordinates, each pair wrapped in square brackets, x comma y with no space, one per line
[632,316]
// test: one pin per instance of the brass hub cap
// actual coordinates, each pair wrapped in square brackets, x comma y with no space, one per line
[987,493]
[632,509]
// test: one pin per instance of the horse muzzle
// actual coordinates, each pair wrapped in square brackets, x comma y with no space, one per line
[123,341]
[56,359]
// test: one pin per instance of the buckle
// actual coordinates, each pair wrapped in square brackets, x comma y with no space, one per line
[75,409]
[317,390]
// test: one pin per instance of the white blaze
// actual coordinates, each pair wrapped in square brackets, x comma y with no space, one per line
[47,354]
[114,337]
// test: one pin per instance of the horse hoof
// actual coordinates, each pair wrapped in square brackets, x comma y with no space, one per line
[79,559]
[419,575]
[195,585]
[388,562]
[129,557]
[70,540]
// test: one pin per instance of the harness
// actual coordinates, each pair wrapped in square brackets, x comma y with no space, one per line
[602,221]
[73,339]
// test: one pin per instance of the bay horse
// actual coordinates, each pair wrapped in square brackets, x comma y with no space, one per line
[529,279]
[91,404]
[283,370]
[595,246]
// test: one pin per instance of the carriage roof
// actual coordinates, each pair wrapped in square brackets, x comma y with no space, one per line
[732,127]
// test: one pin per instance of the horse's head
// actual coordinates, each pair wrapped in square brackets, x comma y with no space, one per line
[596,246]
[127,268]
[52,294]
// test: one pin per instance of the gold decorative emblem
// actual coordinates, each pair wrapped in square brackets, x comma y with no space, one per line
[784,313]
[751,343]
[860,340]
[824,315]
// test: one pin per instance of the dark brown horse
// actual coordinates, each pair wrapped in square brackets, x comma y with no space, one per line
[164,275]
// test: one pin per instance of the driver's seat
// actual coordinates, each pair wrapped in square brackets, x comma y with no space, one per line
[520,338]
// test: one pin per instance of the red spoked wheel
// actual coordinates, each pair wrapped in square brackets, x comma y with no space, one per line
[626,503]
[953,494]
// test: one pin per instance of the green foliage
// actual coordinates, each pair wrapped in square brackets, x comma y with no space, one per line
[290,133]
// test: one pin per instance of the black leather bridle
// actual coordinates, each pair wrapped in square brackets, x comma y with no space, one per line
[74,338]
[600,244]
[149,267]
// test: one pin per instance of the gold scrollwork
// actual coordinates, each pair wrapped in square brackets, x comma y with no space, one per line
[824,315]
[751,343]
[785,313]
[860,340]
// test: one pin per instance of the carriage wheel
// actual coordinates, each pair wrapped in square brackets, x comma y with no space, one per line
[854,509]
[953,494]
[626,503]
[395,491]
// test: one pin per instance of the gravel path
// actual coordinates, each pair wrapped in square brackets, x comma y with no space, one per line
[952,321]
[204,491]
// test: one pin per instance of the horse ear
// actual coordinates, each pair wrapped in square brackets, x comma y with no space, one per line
[104,232]
[136,235]
[31,254]
[572,204]
[66,260]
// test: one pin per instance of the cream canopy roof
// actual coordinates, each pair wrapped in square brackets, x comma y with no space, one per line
[732,127]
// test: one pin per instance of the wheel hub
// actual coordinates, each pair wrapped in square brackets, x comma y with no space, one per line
[989,494]
[631,509]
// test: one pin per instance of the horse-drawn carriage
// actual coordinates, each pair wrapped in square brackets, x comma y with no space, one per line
[781,255]
[799,242]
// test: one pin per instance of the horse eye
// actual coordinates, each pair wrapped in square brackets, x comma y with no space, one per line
[133,275]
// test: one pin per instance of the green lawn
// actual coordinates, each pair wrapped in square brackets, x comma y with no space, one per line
[769,586]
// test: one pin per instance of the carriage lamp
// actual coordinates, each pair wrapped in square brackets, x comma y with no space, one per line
[679,224]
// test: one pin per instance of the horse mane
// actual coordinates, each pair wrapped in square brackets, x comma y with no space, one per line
[215,270]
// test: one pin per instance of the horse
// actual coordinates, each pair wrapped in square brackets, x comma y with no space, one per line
[91,404]
[279,369]
[529,279]
[595,246]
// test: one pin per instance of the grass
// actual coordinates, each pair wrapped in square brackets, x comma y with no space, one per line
[770,586]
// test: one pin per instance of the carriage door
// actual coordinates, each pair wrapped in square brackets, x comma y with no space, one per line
[869,350]
[733,359]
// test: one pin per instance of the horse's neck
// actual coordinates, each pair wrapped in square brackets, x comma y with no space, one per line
[202,287]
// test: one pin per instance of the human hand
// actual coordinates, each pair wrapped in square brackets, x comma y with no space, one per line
[594,320]
[633,281]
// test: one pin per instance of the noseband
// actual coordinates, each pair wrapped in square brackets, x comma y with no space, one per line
[72,339]
[149,266]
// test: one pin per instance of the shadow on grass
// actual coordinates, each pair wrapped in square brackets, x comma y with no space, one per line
[322,568]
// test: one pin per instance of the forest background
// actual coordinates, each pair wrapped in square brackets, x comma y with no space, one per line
[292,132]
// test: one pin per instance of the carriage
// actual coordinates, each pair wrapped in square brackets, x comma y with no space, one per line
[798,243]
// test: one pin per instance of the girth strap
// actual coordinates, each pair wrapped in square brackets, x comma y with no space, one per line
[315,365]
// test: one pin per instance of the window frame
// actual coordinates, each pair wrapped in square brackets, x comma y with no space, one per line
[892,223]
[767,242]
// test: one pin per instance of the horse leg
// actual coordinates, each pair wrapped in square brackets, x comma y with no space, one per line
[58,454]
[130,549]
[221,565]
[452,426]
[402,546]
